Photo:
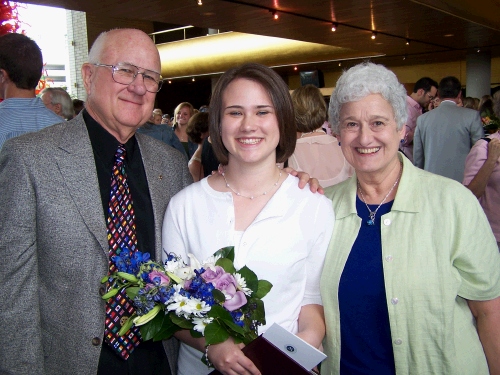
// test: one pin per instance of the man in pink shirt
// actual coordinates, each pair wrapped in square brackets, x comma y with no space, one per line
[424,91]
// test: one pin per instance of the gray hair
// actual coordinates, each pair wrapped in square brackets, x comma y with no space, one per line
[362,80]
[96,50]
[59,96]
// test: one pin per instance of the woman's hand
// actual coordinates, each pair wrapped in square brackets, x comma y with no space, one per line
[494,150]
[480,180]
[304,178]
[228,358]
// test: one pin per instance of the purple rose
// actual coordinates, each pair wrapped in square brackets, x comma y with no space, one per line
[158,278]
[238,300]
[211,275]
[226,283]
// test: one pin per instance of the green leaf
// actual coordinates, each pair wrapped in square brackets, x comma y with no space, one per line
[217,311]
[224,318]
[232,326]
[181,322]
[127,325]
[218,296]
[110,294]
[215,333]
[196,334]
[250,278]
[167,330]
[127,276]
[132,291]
[226,252]
[151,328]
[104,279]
[263,288]
[227,264]
[259,313]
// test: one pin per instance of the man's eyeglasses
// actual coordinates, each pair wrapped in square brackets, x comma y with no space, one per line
[125,74]
[431,98]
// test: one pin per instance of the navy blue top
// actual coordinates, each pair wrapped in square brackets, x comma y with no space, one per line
[365,335]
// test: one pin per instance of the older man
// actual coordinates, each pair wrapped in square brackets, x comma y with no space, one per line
[58,101]
[56,217]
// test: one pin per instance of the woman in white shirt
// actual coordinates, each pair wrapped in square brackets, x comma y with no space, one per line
[279,231]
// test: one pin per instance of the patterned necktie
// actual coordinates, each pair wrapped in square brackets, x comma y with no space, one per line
[121,237]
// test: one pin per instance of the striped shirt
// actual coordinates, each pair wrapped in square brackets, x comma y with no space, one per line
[24,115]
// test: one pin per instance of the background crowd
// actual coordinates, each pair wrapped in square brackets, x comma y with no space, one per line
[395,270]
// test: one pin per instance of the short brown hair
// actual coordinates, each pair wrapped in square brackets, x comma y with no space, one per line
[309,107]
[197,125]
[280,97]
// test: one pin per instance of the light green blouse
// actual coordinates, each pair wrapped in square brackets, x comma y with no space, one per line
[437,251]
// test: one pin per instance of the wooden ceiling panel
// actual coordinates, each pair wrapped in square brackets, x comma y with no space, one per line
[394,20]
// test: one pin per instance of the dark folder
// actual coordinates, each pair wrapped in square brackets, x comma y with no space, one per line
[270,360]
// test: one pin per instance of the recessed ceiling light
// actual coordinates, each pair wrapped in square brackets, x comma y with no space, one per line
[448,35]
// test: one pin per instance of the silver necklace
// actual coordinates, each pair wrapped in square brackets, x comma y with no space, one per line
[244,196]
[314,131]
[371,220]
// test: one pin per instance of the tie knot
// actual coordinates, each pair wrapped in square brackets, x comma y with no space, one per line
[120,154]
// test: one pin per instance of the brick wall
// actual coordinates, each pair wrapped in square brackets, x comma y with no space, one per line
[78,51]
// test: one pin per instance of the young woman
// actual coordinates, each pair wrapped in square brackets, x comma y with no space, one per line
[279,231]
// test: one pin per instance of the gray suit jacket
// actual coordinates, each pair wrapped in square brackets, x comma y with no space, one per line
[444,137]
[54,249]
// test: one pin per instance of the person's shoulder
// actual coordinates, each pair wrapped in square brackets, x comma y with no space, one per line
[428,184]
[160,146]
[190,194]
[338,189]
[291,185]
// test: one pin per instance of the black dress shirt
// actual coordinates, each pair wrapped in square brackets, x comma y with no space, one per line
[149,357]
[104,146]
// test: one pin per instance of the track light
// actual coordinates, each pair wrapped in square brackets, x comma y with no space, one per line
[334,26]
[374,35]
[275,14]
[200,2]
[407,42]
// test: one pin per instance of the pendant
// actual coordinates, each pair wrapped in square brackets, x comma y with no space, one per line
[371,220]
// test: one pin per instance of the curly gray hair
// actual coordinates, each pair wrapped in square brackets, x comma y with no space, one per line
[362,80]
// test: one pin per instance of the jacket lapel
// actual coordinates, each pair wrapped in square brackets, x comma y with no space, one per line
[77,166]
[157,191]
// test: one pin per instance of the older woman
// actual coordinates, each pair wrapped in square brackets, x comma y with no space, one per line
[278,230]
[482,173]
[316,152]
[412,260]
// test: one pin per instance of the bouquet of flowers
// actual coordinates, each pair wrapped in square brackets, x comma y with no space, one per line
[211,299]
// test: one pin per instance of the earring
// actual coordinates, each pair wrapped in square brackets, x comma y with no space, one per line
[402,141]
[339,143]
